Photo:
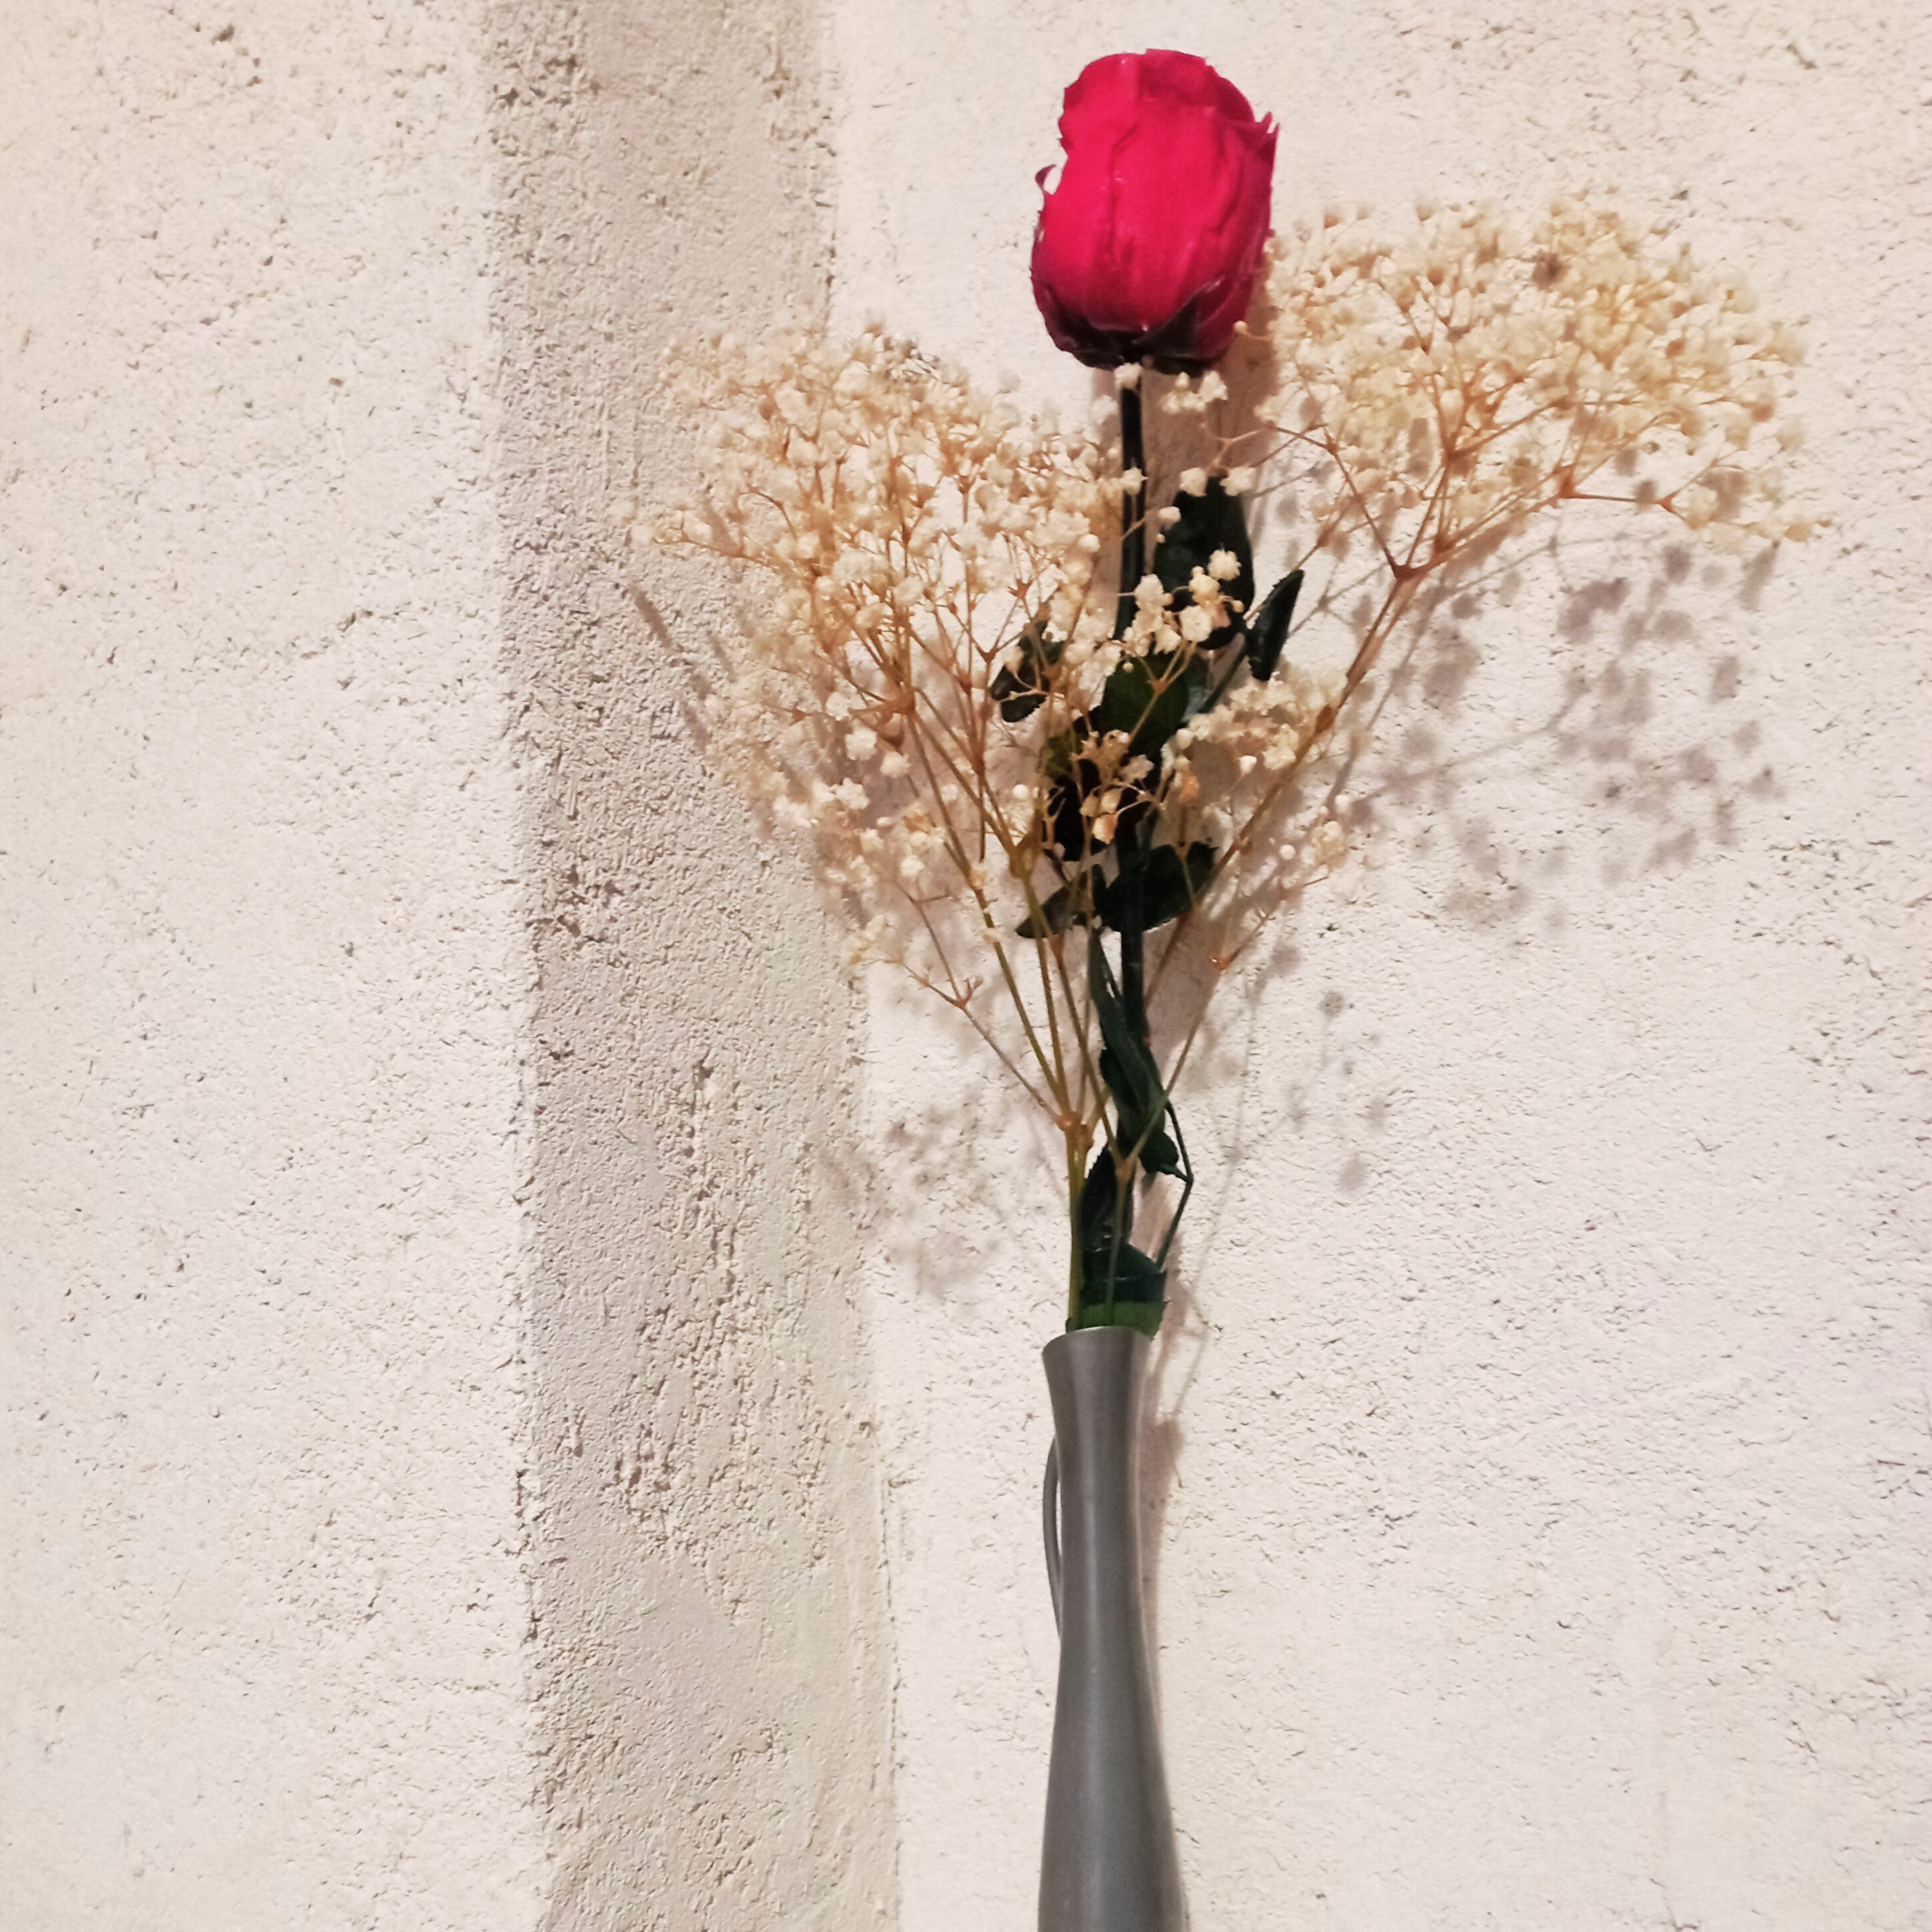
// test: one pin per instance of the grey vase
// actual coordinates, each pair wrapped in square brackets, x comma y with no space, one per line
[1108,1864]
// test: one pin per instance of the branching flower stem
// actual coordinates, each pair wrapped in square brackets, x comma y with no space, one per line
[997,742]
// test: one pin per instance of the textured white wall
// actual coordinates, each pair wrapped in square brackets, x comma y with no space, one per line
[1542,1478]
[262,1613]
[437,1488]
[716,1685]
[437,1453]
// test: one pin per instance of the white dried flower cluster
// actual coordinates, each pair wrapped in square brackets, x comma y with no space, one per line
[1470,374]
[1186,397]
[1259,727]
[936,683]
[908,535]
[908,530]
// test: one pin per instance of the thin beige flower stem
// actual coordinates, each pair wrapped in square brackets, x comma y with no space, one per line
[1171,1078]
[1050,1070]
[1052,949]
[1091,1085]
[1393,606]
[1005,1059]
[1366,522]
[956,849]
[1052,1022]
[1078,1018]
[958,991]
[1284,896]
[956,748]
[937,739]
[1345,768]
[959,996]
[1324,723]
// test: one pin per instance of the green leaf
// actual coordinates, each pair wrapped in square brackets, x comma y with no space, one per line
[1212,521]
[1140,1107]
[1127,1067]
[1069,830]
[1170,885]
[1139,1302]
[1269,631]
[1059,754]
[1135,700]
[1068,906]
[1120,1285]
[1019,690]
[1100,1196]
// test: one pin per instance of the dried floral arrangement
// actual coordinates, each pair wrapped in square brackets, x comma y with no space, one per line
[1063,757]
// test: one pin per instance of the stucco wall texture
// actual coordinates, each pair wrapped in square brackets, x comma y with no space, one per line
[1541,1471]
[437,1472]
[263,1613]
[520,1399]
[713,1691]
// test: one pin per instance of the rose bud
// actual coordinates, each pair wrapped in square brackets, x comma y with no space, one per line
[1149,244]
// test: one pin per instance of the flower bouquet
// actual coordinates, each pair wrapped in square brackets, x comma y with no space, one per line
[1065,754]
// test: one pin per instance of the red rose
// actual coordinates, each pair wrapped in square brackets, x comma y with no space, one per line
[1149,244]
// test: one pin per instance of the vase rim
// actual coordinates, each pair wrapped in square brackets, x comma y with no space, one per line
[1078,1342]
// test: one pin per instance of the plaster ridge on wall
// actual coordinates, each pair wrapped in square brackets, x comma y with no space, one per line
[708,1633]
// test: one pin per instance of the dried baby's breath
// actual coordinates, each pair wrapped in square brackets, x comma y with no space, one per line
[930,683]
[908,531]
[1467,376]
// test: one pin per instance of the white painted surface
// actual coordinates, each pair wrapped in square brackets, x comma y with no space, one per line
[715,1682]
[436,1485]
[436,1434]
[262,1617]
[1543,1475]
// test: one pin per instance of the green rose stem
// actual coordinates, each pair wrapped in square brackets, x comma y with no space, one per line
[1133,512]
[1133,567]
[1126,913]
